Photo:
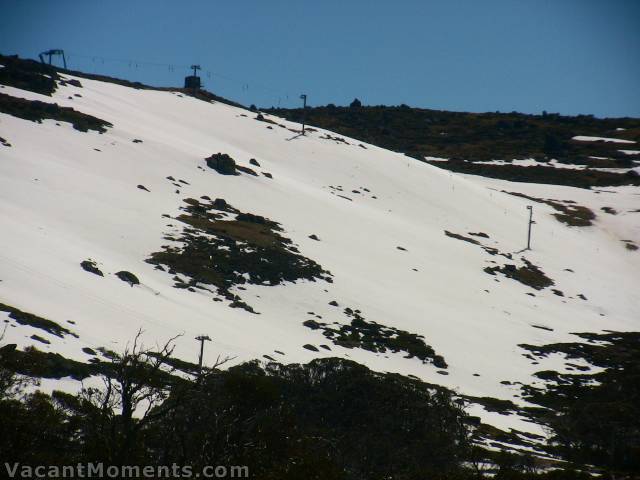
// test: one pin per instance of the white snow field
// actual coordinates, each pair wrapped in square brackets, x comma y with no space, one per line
[68,196]
[585,138]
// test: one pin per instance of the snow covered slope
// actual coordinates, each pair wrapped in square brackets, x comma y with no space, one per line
[380,218]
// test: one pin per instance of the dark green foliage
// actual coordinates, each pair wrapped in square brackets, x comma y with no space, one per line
[25,318]
[247,245]
[546,175]
[28,75]
[529,274]
[377,338]
[37,111]
[598,415]
[34,432]
[35,363]
[491,404]
[553,146]
[474,136]
[329,419]
[569,213]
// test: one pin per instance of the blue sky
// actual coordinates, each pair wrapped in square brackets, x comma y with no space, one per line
[567,56]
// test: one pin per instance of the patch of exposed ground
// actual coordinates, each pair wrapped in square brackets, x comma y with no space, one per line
[528,274]
[91,267]
[25,318]
[586,178]
[225,165]
[37,111]
[568,212]
[222,247]
[28,75]
[376,338]
[594,417]
[473,241]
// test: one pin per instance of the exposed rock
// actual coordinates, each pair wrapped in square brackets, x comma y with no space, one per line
[222,163]
[128,277]
[90,266]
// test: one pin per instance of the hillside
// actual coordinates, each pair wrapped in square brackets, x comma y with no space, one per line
[547,148]
[129,208]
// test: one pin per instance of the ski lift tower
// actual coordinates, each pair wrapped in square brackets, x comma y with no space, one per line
[50,53]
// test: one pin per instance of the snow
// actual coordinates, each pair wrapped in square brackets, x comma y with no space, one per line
[62,202]
[504,422]
[584,138]
[630,152]
[532,162]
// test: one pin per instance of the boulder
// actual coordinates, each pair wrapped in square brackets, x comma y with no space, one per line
[222,163]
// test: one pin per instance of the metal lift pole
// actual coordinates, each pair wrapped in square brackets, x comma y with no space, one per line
[304,111]
[530,208]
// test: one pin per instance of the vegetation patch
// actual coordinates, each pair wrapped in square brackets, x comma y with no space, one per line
[38,364]
[473,241]
[595,418]
[377,338]
[225,165]
[37,111]
[25,318]
[91,267]
[568,212]
[528,274]
[490,404]
[28,75]
[572,177]
[222,163]
[223,247]
[128,277]
[461,237]
[331,419]
[38,338]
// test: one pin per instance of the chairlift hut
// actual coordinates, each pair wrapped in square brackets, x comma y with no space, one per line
[193,82]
